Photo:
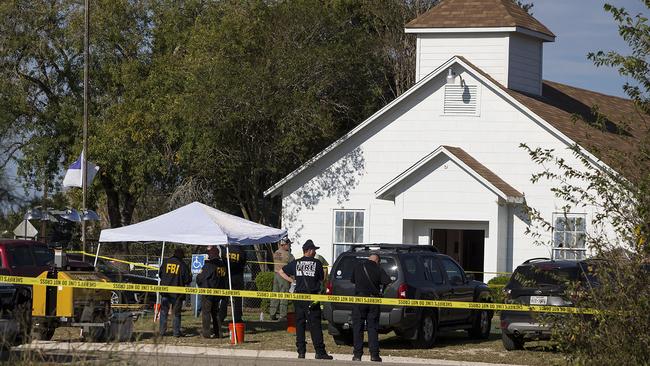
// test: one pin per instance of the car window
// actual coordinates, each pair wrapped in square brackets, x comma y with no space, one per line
[43,256]
[452,269]
[431,269]
[104,266]
[539,276]
[21,256]
[347,264]
[410,265]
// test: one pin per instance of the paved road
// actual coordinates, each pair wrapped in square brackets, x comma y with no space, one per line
[147,354]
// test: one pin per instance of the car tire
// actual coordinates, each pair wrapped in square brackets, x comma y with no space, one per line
[481,324]
[512,342]
[344,339]
[427,330]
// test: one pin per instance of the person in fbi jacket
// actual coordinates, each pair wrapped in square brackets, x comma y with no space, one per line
[308,274]
[173,272]
[214,274]
[369,279]
[237,258]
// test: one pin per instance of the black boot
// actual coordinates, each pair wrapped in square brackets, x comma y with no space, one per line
[323,356]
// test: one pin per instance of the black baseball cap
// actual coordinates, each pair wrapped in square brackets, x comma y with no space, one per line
[309,244]
[286,240]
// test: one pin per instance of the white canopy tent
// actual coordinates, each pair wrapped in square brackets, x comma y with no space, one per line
[196,224]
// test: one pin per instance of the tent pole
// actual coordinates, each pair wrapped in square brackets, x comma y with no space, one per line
[162,254]
[99,245]
[232,304]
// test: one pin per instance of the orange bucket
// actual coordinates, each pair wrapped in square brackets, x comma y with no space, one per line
[156,312]
[240,328]
[291,323]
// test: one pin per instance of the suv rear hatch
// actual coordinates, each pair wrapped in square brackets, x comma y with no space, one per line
[340,283]
[542,284]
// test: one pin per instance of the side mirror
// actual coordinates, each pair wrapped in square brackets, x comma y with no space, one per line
[470,277]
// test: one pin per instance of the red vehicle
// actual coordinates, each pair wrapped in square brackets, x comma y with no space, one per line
[29,258]
[24,258]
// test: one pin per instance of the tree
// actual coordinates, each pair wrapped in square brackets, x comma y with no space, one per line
[386,21]
[41,65]
[271,84]
[617,334]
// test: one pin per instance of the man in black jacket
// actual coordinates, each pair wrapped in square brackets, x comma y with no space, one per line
[237,258]
[173,272]
[308,274]
[214,274]
[369,279]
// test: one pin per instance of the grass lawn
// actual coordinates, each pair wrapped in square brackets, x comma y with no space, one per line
[272,335]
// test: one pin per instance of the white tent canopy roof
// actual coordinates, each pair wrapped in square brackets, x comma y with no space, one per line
[196,224]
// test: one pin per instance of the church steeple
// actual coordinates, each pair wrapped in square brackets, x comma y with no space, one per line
[498,36]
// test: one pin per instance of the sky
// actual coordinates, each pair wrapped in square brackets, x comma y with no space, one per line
[582,26]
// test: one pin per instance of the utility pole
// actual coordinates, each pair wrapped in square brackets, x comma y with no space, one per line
[42,234]
[84,162]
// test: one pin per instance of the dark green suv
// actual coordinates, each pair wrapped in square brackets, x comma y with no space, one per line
[417,272]
[539,281]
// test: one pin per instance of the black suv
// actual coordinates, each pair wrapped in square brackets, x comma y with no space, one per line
[539,281]
[417,272]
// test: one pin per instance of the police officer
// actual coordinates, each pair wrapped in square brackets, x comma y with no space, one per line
[369,279]
[308,275]
[281,257]
[214,274]
[173,272]
[237,258]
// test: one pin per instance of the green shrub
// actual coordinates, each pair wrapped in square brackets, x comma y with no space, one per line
[264,282]
[496,288]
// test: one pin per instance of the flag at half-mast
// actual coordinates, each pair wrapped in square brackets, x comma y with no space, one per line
[73,175]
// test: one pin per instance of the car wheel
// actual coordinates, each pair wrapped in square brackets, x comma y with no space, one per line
[511,342]
[427,330]
[344,339]
[481,324]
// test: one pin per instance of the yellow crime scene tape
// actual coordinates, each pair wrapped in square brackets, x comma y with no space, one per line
[258,262]
[291,296]
[141,265]
[156,268]
[114,260]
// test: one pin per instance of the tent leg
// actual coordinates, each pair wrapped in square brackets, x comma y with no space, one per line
[97,254]
[232,304]
[157,307]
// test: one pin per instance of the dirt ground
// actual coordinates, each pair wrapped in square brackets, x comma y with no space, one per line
[272,335]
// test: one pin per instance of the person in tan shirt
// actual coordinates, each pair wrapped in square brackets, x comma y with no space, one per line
[282,256]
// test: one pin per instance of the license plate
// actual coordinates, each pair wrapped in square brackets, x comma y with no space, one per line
[538,300]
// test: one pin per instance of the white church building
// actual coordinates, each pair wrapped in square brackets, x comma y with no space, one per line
[442,164]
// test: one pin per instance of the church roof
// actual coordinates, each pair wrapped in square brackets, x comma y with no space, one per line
[478,14]
[604,125]
[467,162]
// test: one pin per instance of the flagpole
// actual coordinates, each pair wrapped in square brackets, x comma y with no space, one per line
[84,151]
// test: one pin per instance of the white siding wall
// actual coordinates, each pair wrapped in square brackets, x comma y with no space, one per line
[352,172]
[525,64]
[488,51]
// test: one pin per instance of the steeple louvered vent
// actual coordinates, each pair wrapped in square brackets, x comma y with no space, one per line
[461,100]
